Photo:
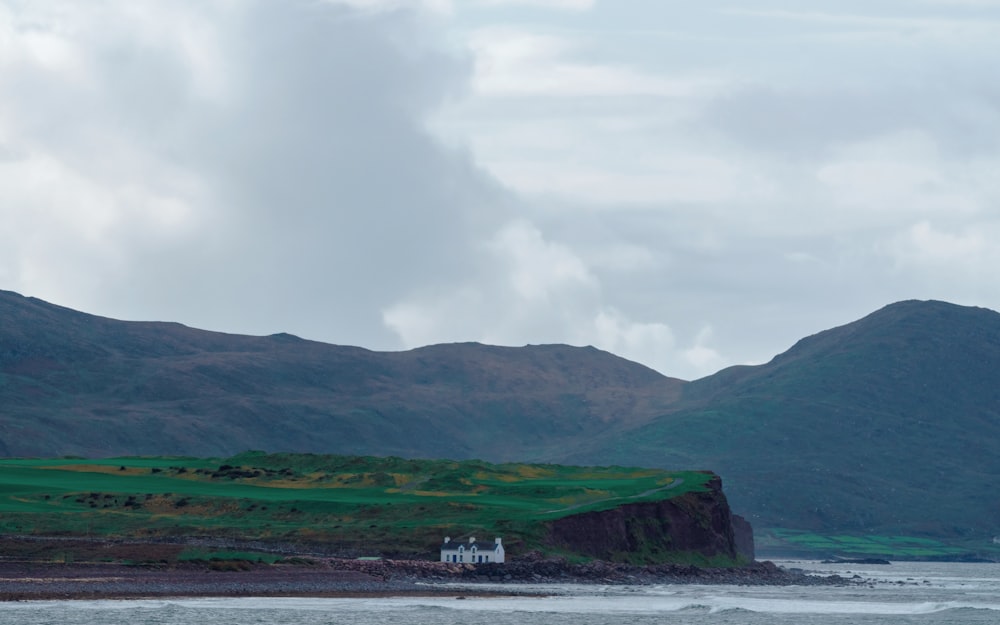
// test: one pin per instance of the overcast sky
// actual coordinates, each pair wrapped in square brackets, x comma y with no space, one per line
[689,185]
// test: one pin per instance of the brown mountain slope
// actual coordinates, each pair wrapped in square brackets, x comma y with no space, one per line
[72,383]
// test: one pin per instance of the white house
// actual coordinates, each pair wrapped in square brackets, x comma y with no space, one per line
[472,551]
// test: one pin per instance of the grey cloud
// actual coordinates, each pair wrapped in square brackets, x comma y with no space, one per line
[810,123]
[326,199]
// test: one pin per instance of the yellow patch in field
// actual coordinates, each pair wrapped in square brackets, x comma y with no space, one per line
[506,477]
[432,493]
[530,472]
[484,476]
[401,479]
[293,484]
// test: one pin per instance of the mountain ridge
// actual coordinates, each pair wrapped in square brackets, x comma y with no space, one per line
[171,385]
[863,425]
[856,428]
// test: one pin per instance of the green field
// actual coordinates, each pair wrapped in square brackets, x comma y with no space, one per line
[808,544]
[355,504]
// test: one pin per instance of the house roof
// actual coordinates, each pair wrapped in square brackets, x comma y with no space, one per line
[479,545]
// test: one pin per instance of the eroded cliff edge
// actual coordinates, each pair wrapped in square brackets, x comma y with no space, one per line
[696,527]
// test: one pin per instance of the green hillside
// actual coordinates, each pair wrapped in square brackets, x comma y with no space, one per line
[352,504]
[889,425]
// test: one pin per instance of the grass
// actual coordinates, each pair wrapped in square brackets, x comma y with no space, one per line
[801,543]
[351,502]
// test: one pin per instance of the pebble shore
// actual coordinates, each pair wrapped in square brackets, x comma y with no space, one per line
[332,577]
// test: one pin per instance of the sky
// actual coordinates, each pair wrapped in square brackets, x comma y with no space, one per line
[690,185]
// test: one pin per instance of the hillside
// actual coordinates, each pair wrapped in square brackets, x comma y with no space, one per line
[353,505]
[72,383]
[890,424]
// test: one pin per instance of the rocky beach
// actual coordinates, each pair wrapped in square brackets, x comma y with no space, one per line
[338,577]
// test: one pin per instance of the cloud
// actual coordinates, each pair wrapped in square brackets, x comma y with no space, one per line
[896,29]
[518,62]
[681,185]
[439,6]
[538,287]
[901,173]
[526,286]
[571,5]
[269,159]
[925,246]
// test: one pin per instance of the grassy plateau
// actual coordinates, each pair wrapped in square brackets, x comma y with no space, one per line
[354,504]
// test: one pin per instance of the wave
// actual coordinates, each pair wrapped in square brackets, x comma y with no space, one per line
[638,601]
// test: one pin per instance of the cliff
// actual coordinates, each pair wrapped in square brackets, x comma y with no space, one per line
[696,526]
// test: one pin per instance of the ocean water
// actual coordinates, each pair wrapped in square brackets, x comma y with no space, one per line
[902,593]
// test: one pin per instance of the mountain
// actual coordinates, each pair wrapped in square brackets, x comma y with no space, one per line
[73,383]
[889,425]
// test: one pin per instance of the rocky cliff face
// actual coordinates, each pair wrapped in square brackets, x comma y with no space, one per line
[699,524]
[743,533]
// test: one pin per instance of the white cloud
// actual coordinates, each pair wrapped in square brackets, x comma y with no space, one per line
[539,270]
[438,6]
[571,5]
[705,359]
[925,246]
[651,343]
[898,174]
[680,178]
[539,287]
[517,62]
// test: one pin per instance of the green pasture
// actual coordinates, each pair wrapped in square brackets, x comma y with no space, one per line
[350,501]
[785,541]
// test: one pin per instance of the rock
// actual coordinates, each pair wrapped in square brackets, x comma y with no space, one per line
[695,522]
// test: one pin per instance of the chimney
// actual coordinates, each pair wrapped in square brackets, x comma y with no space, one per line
[447,539]
[472,539]
[497,541]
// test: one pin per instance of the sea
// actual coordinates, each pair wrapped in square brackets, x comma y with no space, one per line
[899,593]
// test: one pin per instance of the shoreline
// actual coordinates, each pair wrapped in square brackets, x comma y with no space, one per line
[47,582]
[345,578]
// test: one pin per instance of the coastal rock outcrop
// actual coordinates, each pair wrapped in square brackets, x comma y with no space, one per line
[697,523]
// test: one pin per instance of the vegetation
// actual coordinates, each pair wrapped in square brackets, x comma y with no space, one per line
[808,544]
[886,426]
[355,504]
